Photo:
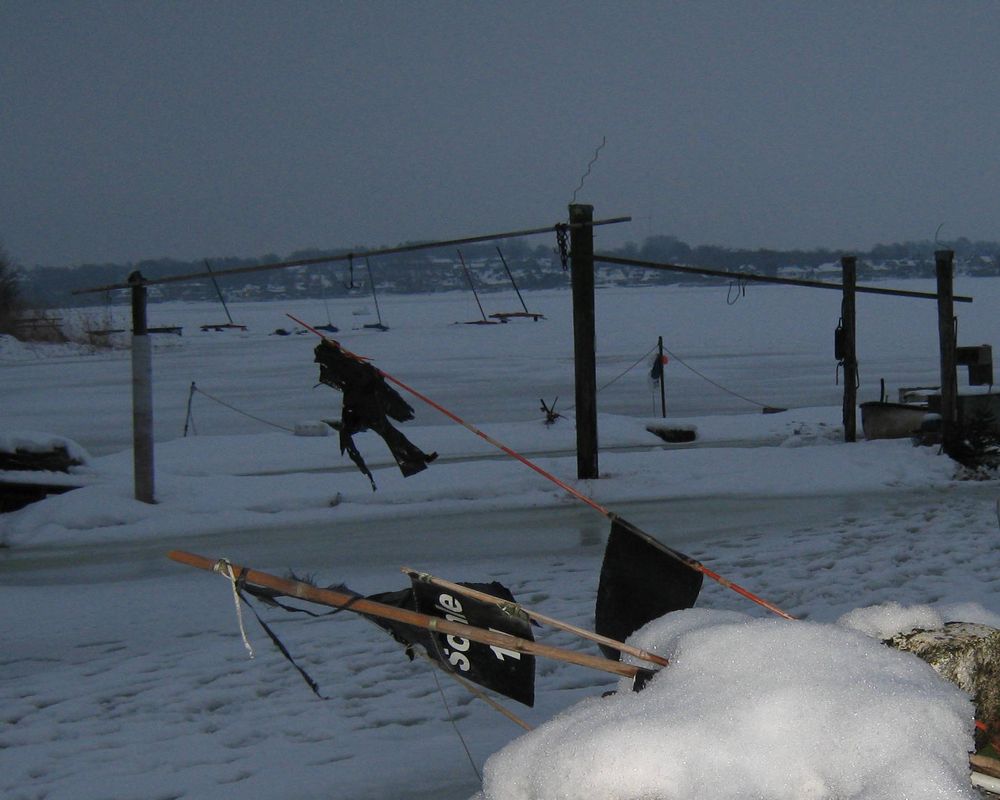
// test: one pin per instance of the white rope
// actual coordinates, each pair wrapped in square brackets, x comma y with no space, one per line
[224,568]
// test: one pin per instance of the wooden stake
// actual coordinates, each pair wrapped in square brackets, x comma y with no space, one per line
[584,338]
[849,265]
[944,264]
[537,617]
[663,379]
[142,394]
[361,605]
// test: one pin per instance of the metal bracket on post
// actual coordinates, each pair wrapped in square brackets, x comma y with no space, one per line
[584,337]
[142,393]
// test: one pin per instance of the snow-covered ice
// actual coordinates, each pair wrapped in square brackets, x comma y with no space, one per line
[123,674]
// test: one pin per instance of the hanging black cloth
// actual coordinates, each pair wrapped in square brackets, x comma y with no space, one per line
[368,402]
[641,580]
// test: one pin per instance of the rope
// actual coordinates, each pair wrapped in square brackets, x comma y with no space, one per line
[638,361]
[451,715]
[224,568]
[240,411]
[597,153]
[618,377]
[740,285]
[714,383]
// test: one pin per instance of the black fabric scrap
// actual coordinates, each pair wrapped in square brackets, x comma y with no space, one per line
[368,403]
[509,674]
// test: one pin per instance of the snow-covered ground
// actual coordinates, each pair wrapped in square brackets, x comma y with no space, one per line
[123,674]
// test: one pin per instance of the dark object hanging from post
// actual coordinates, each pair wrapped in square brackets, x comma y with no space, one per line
[944,267]
[142,393]
[848,355]
[584,337]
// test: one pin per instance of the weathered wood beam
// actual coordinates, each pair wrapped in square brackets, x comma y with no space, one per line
[750,276]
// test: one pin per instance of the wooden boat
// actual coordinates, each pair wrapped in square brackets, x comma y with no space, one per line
[884,420]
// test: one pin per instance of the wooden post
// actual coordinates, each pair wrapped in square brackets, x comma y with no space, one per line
[944,264]
[849,265]
[142,393]
[584,337]
[663,379]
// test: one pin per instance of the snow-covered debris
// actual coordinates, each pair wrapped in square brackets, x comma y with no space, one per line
[753,708]
[36,442]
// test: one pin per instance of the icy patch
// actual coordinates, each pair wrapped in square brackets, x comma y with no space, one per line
[753,708]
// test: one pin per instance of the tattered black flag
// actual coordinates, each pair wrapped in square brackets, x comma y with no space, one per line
[505,672]
[656,369]
[368,401]
[641,580]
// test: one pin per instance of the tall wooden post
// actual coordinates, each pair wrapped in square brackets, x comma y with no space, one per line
[142,393]
[849,265]
[944,264]
[581,239]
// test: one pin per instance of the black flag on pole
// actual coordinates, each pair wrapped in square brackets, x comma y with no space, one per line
[641,580]
[505,672]
[368,401]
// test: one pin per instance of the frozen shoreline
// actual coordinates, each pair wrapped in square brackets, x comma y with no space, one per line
[124,674]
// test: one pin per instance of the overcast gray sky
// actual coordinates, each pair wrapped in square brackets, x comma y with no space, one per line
[142,129]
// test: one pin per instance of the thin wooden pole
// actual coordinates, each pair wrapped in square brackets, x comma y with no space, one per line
[509,605]
[944,267]
[142,394]
[663,379]
[468,277]
[371,280]
[187,418]
[512,281]
[584,338]
[218,291]
[361,605]
[749,276]
[849,266]
[385,251]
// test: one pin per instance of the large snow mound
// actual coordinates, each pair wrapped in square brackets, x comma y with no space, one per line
[752,708]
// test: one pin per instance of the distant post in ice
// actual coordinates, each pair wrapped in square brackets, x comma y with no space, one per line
[581,239]
[663,378]
[142,393]
[849,265]
[944,264]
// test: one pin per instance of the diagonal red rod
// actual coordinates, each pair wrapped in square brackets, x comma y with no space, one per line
[686,560]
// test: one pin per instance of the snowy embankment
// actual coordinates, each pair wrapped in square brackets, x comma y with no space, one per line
[270,481]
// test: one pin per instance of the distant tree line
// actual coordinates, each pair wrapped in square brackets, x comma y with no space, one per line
[536,266]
